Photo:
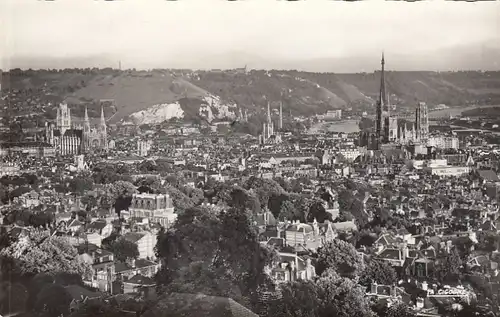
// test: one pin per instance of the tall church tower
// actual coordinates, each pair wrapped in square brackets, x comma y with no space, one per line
[270,131]
[103,137]
[382,123]
[63,119]
[422,122]
[86,132]
[281,113]
[386,125]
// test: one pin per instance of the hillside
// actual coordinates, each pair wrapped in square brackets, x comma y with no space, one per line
[316,92]
[162,94]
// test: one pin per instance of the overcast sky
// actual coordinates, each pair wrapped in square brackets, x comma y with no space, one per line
[219,34]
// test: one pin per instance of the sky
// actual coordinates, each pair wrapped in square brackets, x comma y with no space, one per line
[308,34]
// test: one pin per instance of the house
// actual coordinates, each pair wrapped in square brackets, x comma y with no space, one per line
[386,239]
[346,226]
[139,284]
[393,256]
[292,267]
[480,261]
[388,293]
[310,236]
[103,265]
[101,227]
[126,270]
[74,225]
[145,241]
[264,219]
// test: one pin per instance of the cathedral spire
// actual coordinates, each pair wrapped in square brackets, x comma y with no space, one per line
[268,112]
[103,119]
[86,115]
[382,92]
[281,112]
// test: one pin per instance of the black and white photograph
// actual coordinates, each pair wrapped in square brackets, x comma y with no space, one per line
[250,158]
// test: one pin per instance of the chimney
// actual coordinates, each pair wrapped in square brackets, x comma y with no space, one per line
[420,303]
[293,271]
[405,251]
[393,290]
[131,262]
[424,286]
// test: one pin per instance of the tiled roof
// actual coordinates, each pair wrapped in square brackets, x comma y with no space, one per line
[344,226]
[139,263]
[69,133]
[300,227]
[488,175]
[392,254]
[133,236]
[184,305]
[140,280]
[97,225]
[428,253]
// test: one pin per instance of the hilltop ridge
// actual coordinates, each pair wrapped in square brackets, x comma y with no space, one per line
[220,94]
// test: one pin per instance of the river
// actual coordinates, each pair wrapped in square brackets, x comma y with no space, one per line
[454,111]
[347,126]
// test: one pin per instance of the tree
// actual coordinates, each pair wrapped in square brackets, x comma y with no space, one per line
[343,297]
[317,211]
[395,310]
[13,298]
[341,257]
[488,241]
[120,193]
[81,184]
[195,194]
[288,211]
[299,299]
[54,300]
[450,269]
[379,272]
[242,199]
[264,188]
[43,253]
[124,249]
[97,308]
[215,253]
[330,295]
[467,310]
[147,166]
[364,238]
[180,200]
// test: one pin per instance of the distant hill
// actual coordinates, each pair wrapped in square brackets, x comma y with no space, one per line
[219,94]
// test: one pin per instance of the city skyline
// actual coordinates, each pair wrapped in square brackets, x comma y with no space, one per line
[307,35]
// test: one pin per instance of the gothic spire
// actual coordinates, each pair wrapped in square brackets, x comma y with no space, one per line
[382,92]
[268,112]
[281,112]
[86,115]
[103,119]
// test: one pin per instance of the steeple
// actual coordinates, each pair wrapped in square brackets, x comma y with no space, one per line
[281,112]
[103,119]
[268,113]
[86,125]
[103,133]
[86,115]
[382,93]
[382,123]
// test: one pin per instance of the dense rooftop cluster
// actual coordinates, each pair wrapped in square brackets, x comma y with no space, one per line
[197,219]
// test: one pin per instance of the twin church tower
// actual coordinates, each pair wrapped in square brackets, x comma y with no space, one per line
[70,138]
